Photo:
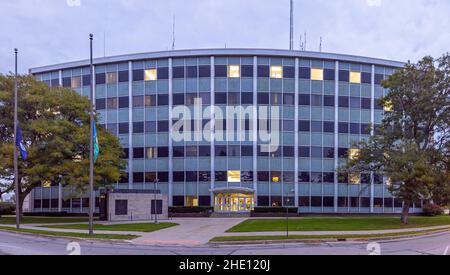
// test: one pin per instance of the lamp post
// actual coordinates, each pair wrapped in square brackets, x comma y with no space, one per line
[287,213]
[154,200]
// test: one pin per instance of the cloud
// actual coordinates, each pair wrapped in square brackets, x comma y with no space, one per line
[373,3]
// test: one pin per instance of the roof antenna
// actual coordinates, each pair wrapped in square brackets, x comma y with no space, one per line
[305,42]
[173,34]
[104,44]
[320,44]
[291,33]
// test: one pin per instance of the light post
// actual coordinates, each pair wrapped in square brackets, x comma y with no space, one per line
[287,213]
[154,200]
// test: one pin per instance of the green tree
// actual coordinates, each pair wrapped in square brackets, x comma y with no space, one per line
[411,147]
[55,126]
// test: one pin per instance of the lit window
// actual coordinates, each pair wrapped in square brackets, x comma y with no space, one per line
[111,78]
[151,153]
[46,184]
[276,72]
[354,178]
[191,201]
[353,153]
[275,179]
[234,71]
[316,74]
[355,77]
[150,75]
[76,82]
[388,106]
[234,176]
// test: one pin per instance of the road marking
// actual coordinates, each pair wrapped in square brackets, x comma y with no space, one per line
[446,250]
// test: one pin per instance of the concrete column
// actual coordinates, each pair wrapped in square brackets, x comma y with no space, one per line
[336,134]
[296,115]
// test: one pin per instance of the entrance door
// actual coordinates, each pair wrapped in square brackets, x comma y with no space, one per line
[233,202]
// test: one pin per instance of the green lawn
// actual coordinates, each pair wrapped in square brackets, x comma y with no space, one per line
[337,223]
[319,237]
[37,220]
[137,227]
[69,234]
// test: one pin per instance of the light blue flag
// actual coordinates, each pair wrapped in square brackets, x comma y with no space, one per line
[95,138]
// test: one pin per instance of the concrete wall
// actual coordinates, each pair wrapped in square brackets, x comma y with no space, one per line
[139,206]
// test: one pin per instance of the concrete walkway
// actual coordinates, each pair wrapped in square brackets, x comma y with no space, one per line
[318,233]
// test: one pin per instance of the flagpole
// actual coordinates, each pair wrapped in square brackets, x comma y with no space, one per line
[16,166]
[91,148]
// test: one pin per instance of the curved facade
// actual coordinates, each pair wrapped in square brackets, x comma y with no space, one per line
[308,106]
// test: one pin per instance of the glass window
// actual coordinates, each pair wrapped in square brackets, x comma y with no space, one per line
[328,127]
[100,104]
[111,103]
[123,128]
[191,176]
[288,99]
[343,128]
[123,102]
[111,78]
[76,82]
[204,176]
[276,72]
[247,70]
[100,78]
[288,72]
[378,79]
[138,153]
[220,98]
[178,176]
[178,99]
[138,127]
[303,177]
[355,102]
[150,126]
[246,98]
[355,128]
[220,176]
[138,75]
[247,150]
[206,98]
[343,101]
[163,126]
[344,76]
[366,78]
[303,152]
[162,73]
[316,152]
[365,103]
[191,72]
[328,74]
[304,100]
[178,72]
[204,151]
[220,70]
[316,177]
[263,71]
[355,77]
[150,100]
[138,177]
[316,74]
[316,126]
[204,71]
[303,125]
[234,71]
[365,129]
[343,153]
[163,152]
[178,151]
[123,76]
[163,100]
[328,152]
[191,151]
[316,100]
[288,151]
[221,151]
[151,75]
[138,101]
[263,98]
[304,73]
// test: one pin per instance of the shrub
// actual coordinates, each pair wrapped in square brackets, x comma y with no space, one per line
[275,210]
[432,210]
[194,209]
[7,208]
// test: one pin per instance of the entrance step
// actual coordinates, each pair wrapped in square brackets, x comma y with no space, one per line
[229,215]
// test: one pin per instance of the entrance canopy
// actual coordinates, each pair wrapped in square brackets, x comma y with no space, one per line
[242,190]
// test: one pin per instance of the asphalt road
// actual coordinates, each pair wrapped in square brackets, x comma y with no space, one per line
[13,243]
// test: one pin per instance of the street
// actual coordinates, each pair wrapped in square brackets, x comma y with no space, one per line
[19,244]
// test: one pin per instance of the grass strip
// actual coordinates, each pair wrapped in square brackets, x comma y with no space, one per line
[137,227]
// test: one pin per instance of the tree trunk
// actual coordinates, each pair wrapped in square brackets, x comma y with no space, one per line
[405,212]
[21,200]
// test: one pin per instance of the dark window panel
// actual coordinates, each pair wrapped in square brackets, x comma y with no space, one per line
[246,98]
[355,102]
[328,177]
[163,126]
[355,128]
[220,98]
[67,82]
[344,76]
[343,153]
[191,176]
[247,150]
[263,176]
[163,176]
[163,152]
[304,125]
[204,151]
[86,80]
[328,201]
[263,71]
[343,101]
[150,126]
[328,152]
[220,176]
[304,100]
[365,103]
[303,152]
[247,71]
[100,104]
[378,105]
[328,127]
[163,73]
[288,151]
[263,98]
[316,152]
[138,177]
[124,102]
[343,128]
[138,153]
[220,70]
[178,200]
[378,79]
[316,126]
[204,176]
[288,72]
[303,177]
[163,100]
[178,72]
[123,76]
[316,201]
[220,151]
[100,78]
[365,129]
[328,74]
[123,128]
[204,71]
[303,201]
[178,151]
[191,72]
[138,127]
[316,100]
[366,78]
[328,100]
[304,73]
[138,75]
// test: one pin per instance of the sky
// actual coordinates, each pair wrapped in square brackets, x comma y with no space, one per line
[56,31]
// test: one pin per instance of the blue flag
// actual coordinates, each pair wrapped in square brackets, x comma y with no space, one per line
[96,147]
[20,144]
